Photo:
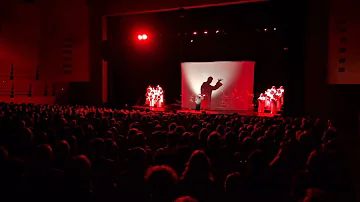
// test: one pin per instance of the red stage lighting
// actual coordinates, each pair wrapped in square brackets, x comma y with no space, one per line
[142,37]
[205,32]
[217,31]
[194,33]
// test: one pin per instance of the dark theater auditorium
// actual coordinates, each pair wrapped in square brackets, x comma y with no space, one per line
[179,101]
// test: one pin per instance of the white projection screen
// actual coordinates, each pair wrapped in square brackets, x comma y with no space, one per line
[235,93]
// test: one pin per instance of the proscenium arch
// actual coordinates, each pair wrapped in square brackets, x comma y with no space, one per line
[162,8]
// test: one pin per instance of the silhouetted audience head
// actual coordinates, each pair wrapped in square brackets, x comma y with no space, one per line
[198,166]
[173,138]
[42,156]
[214,140]
[235,187]
[136,158]
[257,161]
[186,199]
[230,139]
[172,126]
[315,195]
[162,182]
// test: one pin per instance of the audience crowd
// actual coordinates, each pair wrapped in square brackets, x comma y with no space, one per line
[58,153]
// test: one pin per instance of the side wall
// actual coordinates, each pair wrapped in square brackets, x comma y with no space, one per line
[48,37]
[344,42]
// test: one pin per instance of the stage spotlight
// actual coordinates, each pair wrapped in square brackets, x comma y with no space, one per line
[205,32]
[265,29]
[142,37]
[194,33]
[217,31]
[275,29]
[191,41]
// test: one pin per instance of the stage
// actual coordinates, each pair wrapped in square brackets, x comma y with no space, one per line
[178,110]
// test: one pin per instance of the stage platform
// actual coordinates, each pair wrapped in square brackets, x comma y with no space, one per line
[239,112]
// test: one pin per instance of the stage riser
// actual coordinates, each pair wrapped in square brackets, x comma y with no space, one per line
[213,112]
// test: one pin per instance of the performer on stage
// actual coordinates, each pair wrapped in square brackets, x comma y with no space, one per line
[206,89]
[278,95]
[273,100]
[282,95]
[267,94]
[273,88]
[160,96]
[261,103]
[198,100]
[148,95]
[152,98]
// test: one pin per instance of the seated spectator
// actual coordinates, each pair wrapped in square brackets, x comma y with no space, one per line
[162,182]
[186,199]
[78,178]
[235,188]
[197,180]
[130,183]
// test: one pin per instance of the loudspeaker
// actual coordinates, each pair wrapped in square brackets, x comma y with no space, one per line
[12,72]
[37,73]
[46,90]
[30,91]
[12,93]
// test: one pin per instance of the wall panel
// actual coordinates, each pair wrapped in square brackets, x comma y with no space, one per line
[32,38]
[344,42]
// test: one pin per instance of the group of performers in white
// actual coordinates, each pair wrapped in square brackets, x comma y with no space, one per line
[154,96]
[272,100]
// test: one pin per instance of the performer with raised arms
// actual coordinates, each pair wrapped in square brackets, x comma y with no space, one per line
[198,100]
[207,89]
